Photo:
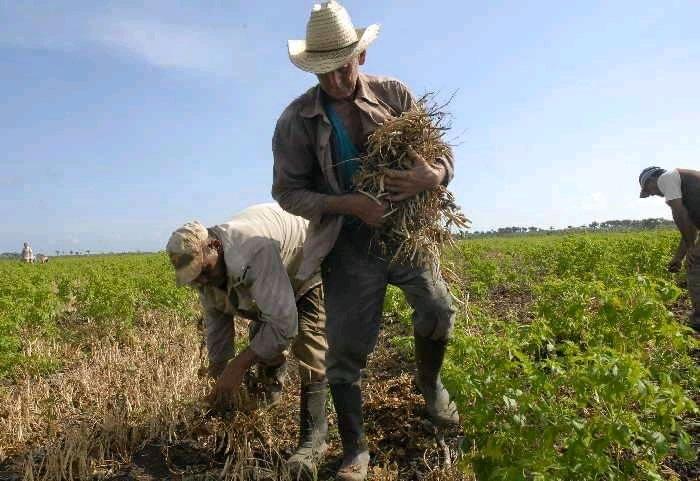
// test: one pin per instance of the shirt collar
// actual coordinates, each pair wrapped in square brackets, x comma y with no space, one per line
[364,92]
[314,106]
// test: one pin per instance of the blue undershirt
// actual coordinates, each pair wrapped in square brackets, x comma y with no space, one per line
[347,153]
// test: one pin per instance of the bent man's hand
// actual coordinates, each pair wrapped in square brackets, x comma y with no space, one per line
[227,386]
[404,184]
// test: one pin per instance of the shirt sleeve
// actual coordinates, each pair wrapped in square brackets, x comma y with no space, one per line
[670,185]
[292,176]
[219,331]
[272,292]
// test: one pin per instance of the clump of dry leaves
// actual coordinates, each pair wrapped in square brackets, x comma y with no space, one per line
[418,227]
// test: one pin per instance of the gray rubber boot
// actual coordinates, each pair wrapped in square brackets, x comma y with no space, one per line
[429,356]
[313,429]
[347,399]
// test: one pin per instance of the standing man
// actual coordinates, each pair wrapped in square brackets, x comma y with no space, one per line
[316,143]
[681,189]
[27,254]
[248,267]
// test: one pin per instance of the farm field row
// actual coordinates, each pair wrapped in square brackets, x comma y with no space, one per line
[569,361]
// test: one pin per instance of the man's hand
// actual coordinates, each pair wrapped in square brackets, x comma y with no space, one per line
[675,265]
[227,387]
[368,210]
[229,383]
[404,184]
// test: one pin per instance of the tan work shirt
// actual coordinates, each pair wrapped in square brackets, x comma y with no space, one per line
[262,251]
[304,170]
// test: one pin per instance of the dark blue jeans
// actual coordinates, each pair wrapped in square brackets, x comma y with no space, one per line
[694,293]
[355,281]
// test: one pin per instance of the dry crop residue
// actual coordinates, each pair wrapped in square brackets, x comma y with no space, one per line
[131,412]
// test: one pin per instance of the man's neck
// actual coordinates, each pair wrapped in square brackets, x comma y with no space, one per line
[344,101]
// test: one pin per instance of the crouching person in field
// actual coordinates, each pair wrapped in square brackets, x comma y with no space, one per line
[681,190]
[247,267]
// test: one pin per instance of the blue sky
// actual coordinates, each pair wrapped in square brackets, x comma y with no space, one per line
[122,120]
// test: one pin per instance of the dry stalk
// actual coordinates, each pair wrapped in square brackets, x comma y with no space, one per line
[97,413]
[88,421]
[418,227]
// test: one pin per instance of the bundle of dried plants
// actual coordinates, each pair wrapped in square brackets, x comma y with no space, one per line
[416,228]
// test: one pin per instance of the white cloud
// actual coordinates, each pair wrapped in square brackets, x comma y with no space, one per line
[178,43]
[165,45]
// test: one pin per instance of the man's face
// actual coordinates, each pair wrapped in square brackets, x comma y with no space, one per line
[340,84]
[652,187]
[213,266]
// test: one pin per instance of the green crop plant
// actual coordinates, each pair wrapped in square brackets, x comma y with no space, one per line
[569,360]
[598,384]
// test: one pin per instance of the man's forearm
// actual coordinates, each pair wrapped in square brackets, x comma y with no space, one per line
[245,359]
[302,202]
[687,229]
[219,335]
[345,204]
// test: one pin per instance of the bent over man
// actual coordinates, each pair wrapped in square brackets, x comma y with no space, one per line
[248,267]
[316,145]
[681,189]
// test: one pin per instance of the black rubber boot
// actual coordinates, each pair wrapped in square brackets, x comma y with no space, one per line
[347,399]
[313,429]
[429,356]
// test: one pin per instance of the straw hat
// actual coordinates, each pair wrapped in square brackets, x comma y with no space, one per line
[331,39]
[185,250]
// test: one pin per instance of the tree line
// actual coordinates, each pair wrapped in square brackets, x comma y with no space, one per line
[608,225]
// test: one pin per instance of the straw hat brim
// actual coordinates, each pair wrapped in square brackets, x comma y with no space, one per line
[323,62]
[189,272]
